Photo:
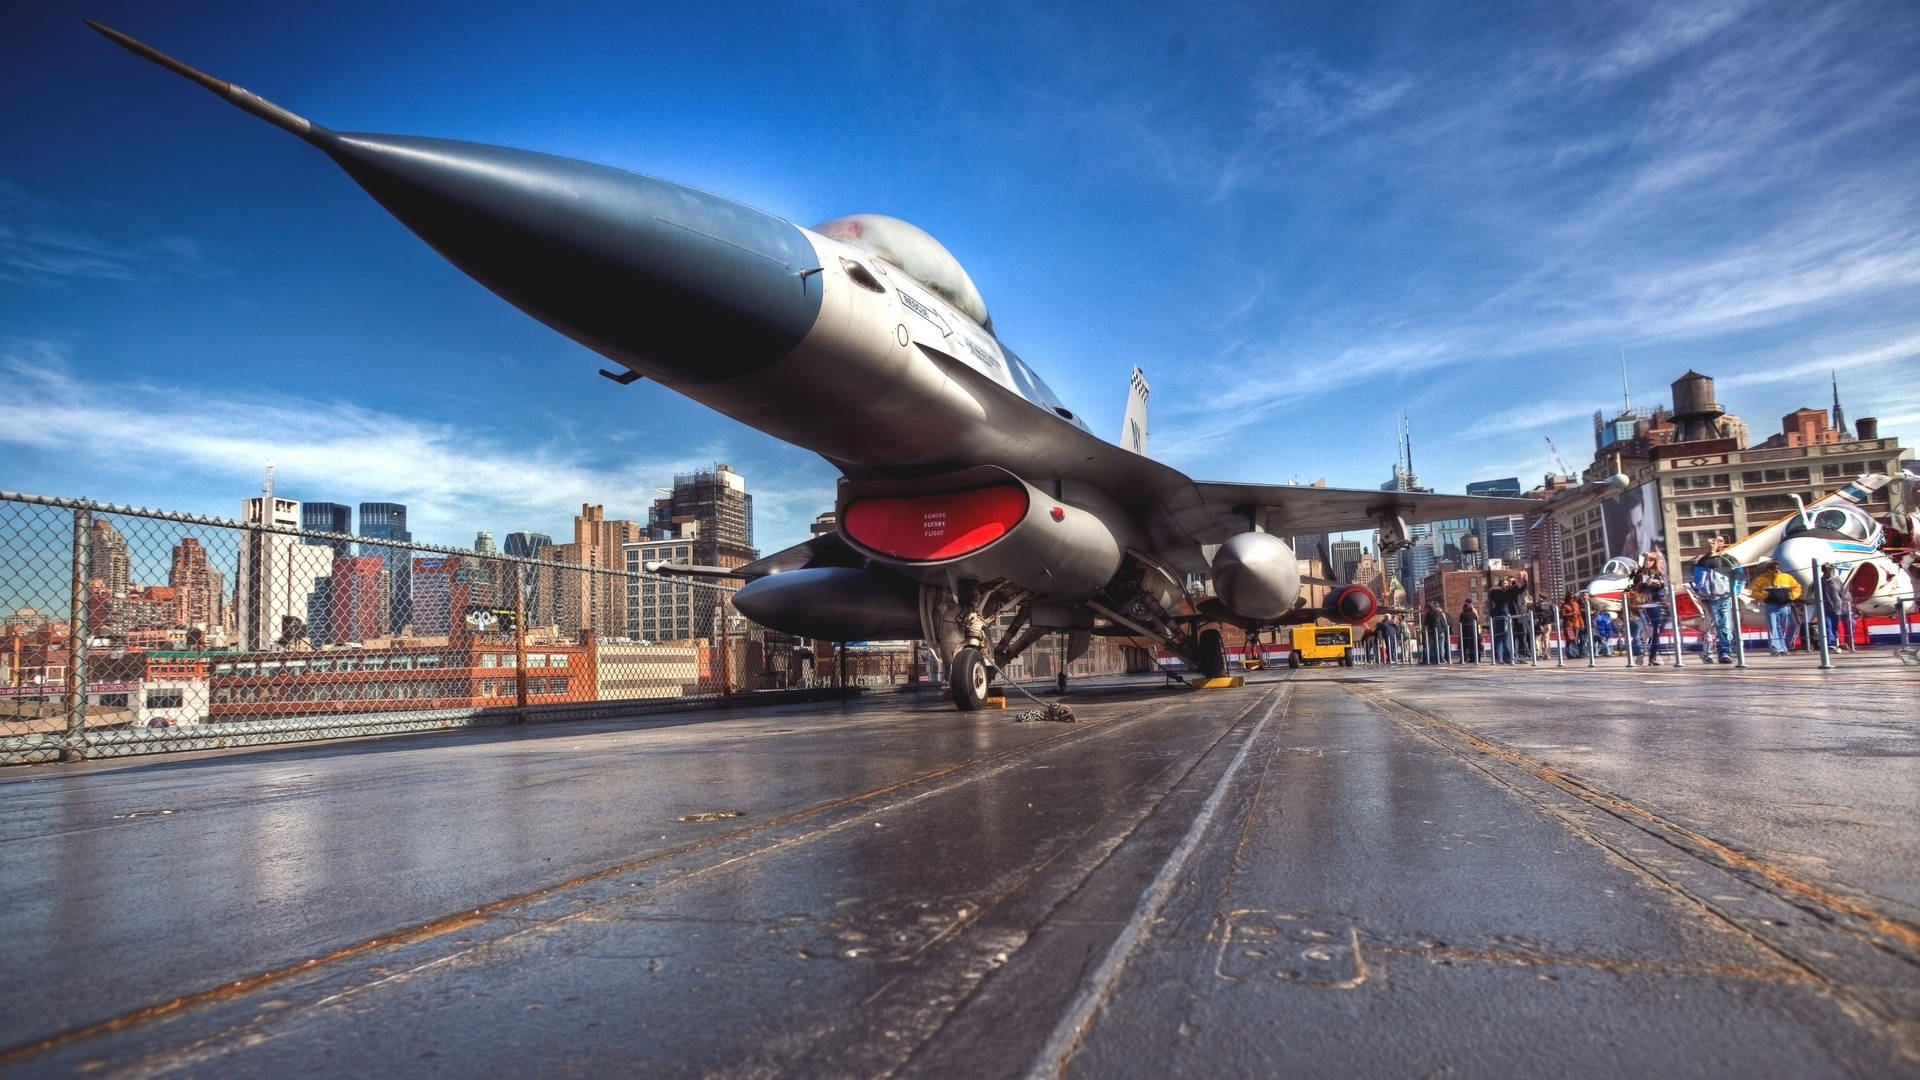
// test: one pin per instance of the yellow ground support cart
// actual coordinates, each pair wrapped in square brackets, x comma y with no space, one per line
[1321,645]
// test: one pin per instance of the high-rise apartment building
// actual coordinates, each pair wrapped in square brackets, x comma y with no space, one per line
[388,521]
[107,558]
[196,584]
[328,517]
[581,600]
[716,503]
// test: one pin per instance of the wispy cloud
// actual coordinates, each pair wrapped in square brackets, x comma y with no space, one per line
[41,245]
[455,479]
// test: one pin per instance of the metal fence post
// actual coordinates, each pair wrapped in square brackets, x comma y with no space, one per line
[1820,606]
[519,648]
[76,744]
[726,652]
[1533,640]
[1559,636]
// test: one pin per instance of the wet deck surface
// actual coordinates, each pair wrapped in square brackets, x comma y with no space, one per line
[1403,873]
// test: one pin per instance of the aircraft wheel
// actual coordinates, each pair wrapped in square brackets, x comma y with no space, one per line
[1346,658]
[969,679]
[1293,660]
[1213,654]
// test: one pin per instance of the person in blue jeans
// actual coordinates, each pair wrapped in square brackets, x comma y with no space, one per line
[1603,632]
[1716,580]
[1777,590]
[1504,604]
[1650,596]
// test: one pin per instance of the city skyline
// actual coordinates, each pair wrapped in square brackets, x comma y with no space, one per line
[1342,223]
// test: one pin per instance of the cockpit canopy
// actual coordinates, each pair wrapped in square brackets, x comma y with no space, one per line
[1848,521]
[920,256]
[1619,566]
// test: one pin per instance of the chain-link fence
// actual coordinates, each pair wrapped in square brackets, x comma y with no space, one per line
[132,631]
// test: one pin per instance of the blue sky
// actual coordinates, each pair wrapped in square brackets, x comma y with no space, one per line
[1299,222]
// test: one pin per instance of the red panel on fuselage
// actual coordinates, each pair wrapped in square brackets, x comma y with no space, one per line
[928,528]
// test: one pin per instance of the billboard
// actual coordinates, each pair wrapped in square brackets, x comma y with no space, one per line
[1632,522]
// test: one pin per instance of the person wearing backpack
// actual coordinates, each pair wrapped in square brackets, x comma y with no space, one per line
[1778,590]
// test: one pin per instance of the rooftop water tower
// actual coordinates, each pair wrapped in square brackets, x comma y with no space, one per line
[1695,414]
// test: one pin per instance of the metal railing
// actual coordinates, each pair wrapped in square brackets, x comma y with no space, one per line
[125,630]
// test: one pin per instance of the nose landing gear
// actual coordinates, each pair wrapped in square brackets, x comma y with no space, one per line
[968,677]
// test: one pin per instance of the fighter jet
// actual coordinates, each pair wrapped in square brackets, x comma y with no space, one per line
[969,490]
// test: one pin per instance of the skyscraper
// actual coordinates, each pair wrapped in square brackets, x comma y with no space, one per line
[328,517]
[538,606]
[483,543]
[1502,536]
[388,521]
[107,557]
[196,583]
[578,600]
[277,574]
[1346,556]
[716,502]
[527,545]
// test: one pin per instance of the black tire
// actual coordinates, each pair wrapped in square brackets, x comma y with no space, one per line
[969,679]
[1061,681]
[1346,658]
[1212,657]
[1293,660]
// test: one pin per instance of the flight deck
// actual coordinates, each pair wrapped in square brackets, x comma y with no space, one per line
[1392,872]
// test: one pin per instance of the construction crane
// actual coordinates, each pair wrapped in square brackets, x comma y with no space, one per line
[1565,469]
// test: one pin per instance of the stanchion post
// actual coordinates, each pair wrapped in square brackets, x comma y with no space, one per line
[76,742]
[1586,603]
[1739,631]
[1533,640]
[1820,607]
[1560,638]
[1673,613]
[1626,626]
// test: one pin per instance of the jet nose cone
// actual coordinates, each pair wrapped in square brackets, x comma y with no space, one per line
[1797,556]
[686,285]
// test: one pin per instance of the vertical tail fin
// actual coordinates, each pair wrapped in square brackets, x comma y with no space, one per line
[1133,430]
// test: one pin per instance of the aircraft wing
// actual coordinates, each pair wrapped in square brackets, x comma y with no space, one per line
[1288,509]
[828,550]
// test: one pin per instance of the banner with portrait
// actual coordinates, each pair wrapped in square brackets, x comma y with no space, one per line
[1632,522]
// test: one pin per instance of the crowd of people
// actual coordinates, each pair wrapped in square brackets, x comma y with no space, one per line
[1516,628]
